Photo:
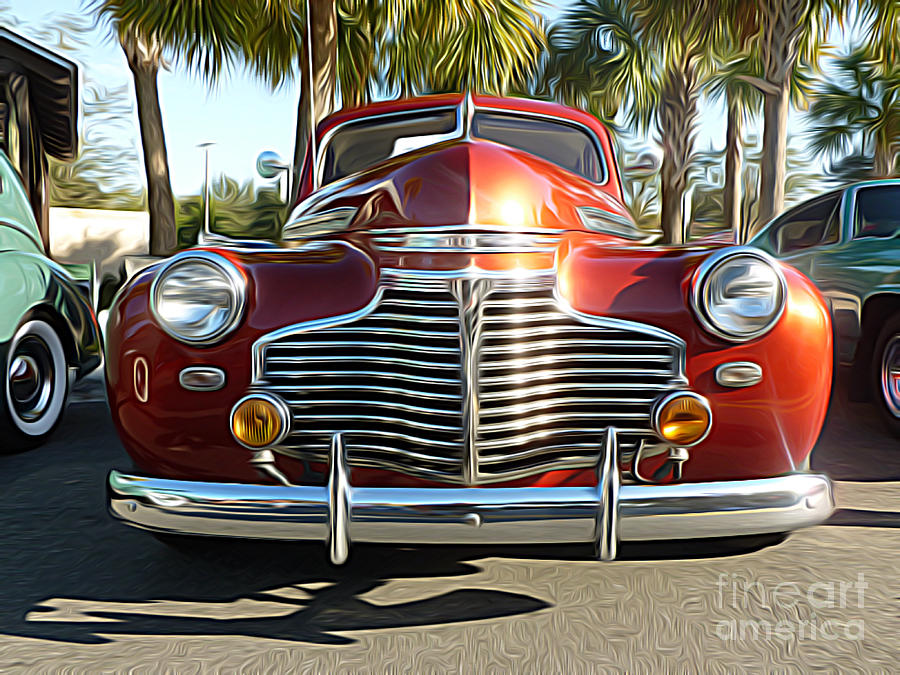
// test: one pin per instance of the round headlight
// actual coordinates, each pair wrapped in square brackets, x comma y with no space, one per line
[198,297]
[739,294]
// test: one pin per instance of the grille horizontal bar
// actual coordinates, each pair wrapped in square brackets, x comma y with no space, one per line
[547,382]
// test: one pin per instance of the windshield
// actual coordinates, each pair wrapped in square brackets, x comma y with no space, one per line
[367,142]
[364,143]
[563,144]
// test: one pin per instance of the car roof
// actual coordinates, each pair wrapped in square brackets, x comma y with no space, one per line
[873,182]
[453,100]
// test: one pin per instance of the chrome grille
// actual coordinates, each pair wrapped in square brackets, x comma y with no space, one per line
[389,381]
[550,384]
[389,378]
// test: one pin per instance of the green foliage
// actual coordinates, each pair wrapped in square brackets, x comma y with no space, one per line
[707,175]
[204,35]
[106,173]
[488,46]
[856,116]
[236,210]
[640,176]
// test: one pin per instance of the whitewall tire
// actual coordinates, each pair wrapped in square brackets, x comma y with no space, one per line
[35,385]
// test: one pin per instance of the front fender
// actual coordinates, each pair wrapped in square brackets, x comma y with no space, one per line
[31,285]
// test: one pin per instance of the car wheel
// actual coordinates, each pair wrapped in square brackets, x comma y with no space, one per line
[34,388]
[886,373]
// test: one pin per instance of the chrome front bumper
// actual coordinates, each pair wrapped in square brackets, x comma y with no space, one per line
[604,514]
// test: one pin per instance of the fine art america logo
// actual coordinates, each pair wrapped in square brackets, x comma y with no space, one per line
[798,603]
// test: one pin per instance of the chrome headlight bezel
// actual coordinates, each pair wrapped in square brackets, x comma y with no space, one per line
[235,283]
[715,264]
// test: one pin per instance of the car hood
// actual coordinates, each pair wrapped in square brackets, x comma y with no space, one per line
[339,276]
[461,184]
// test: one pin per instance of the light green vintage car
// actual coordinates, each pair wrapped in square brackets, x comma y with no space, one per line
[848,243]
[48,333]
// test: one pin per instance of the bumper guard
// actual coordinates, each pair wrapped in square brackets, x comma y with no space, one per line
[605,514]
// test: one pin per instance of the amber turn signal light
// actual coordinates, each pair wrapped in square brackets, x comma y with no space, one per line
[682,418]
[258,421]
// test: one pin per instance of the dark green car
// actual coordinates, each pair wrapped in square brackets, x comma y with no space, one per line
[48,332]
[848,243]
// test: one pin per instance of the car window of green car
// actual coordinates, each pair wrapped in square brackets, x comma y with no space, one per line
[18,228]
[812,224]
[877,212]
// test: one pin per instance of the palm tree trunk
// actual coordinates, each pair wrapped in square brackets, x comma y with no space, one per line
[782,22]
[676,117]
[323,23]
[774,155]
[881,167]
[301,135]
[143,60]
[733,162]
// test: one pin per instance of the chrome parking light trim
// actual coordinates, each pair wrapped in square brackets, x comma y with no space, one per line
[202,378]
[657,410]
[739,374]
[284,415]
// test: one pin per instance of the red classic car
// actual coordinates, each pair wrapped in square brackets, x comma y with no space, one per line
[461,337]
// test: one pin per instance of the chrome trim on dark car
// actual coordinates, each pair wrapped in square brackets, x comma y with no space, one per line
[202,378]
[660,404]
[465,238]
[284,415]
[605,514]
[235,277]
[739,374]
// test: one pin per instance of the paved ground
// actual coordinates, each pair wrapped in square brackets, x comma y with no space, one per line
[79,593]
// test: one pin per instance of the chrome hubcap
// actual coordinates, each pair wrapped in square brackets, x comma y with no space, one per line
[30,378]
[890,375]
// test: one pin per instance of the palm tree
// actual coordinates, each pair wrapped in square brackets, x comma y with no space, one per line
[782,34]
[487,46]
[742,101]
[652,55]
[788,33]
[479,45]
[857,112]
[483,45]
[143,52]
[210,38]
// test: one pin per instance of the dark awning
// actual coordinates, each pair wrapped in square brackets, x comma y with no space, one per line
[53,86]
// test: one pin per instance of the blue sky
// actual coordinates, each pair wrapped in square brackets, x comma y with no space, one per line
[241,116]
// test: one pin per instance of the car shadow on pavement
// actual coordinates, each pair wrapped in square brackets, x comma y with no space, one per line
[864,518]
[69,573]
[271,591]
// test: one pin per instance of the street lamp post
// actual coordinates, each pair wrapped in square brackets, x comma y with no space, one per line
[205,230]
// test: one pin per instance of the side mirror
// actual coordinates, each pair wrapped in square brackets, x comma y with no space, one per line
[270,165]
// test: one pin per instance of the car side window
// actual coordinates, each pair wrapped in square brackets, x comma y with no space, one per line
[877,212]
[808,225]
